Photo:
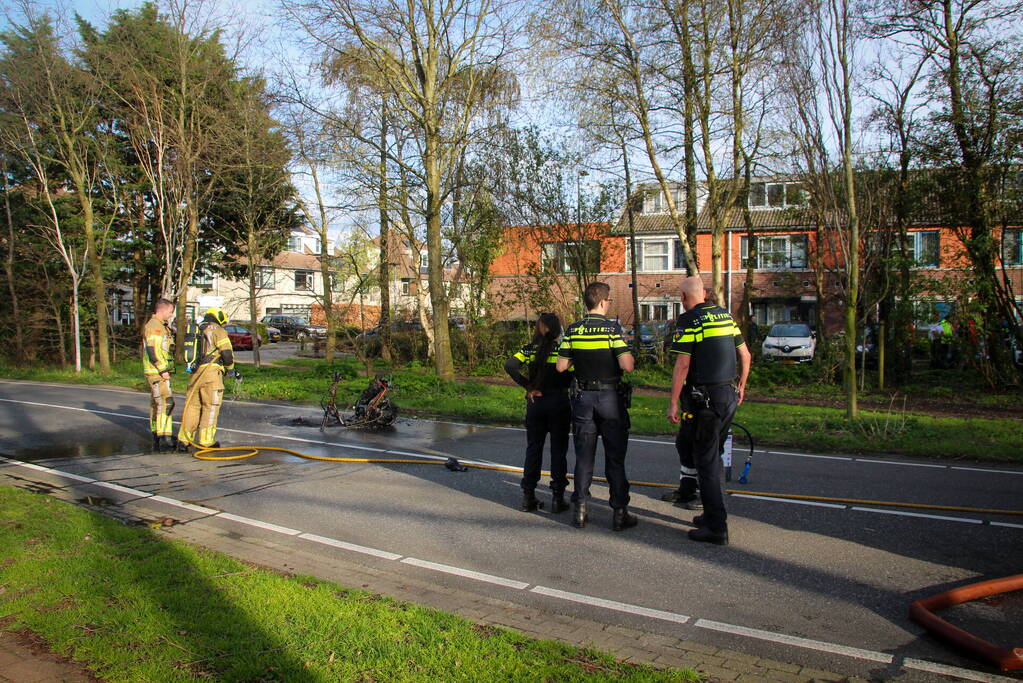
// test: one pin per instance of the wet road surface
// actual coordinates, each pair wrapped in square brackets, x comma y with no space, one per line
[844,574]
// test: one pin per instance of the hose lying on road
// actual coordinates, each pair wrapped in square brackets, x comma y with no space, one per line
[243,452]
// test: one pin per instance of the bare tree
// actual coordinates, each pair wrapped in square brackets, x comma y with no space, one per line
[820,72]
[440,64]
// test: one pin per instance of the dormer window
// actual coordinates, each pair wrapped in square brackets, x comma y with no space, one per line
[295,243]
[654,201]
[776,195]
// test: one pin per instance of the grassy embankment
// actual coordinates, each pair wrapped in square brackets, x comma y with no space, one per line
[134,606]
[813,428]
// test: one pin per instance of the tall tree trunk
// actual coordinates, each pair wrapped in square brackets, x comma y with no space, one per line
[849,188]
[76,325]
[19,337]
[99,287]
[443,360]
[636,337]
[385,244]
[251,250]
[188,261]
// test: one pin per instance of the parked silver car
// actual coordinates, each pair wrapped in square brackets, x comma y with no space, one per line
[790,343]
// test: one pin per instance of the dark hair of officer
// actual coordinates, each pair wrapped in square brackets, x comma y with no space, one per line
[595,293]
[545,338]
[162,302]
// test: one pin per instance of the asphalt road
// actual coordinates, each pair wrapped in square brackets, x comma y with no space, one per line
[843,574]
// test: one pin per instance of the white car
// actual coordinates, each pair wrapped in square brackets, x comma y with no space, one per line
[790,343]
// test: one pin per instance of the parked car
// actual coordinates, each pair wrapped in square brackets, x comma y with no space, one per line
[241,338]
[292,327]
[651,335]
[791,342]
[266,332]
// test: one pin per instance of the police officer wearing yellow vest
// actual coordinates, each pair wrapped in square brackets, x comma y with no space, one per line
[594,345]
[205,392]
[156,366]
[547,411]
[705,345]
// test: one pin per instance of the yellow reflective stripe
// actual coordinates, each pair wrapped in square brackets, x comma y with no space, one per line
[722,332]
[224,344]
[618,343]
[683,338]
[552,358]
[591,345]
[739,346]
[521,357]
[678,351]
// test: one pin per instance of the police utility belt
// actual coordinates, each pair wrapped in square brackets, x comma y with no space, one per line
[622,388]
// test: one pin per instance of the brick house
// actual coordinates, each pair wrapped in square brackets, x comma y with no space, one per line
[784,277]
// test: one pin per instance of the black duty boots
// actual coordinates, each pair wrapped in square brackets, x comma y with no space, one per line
[529,502]
[684,497]
[157,444]
[167,443]
[579,515]
[623,520]
[705,535]
[558,503]
[182,447]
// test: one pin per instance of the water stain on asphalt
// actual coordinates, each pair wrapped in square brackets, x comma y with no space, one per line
[78,449]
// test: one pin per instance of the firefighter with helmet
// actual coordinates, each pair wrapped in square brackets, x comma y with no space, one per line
[213,358]
[156,366]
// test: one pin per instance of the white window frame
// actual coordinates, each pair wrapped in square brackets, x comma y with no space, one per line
[266,277]
[558,254]
[765,195]
[674,249]
[788,252]
[295,244]
[917,244]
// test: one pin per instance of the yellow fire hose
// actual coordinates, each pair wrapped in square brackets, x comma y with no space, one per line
[243,452]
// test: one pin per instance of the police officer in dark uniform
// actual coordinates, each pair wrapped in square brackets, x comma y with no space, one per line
[547,411]
[599,354]
[706,343]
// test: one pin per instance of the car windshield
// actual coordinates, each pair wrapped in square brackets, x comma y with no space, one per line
[789,331]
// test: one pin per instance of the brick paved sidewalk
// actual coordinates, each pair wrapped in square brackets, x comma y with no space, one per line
[23,660]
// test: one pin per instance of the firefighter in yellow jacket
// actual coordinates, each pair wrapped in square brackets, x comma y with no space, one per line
[206,387]
[156,366]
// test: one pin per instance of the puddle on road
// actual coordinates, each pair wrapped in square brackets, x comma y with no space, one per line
[79,449]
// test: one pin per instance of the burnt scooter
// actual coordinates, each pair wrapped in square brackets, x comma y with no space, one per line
[373,410]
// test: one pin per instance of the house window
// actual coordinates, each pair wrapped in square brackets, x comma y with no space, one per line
[654,201]
[658,255]
[653,312]
[424,262]
[406,287]
[1012,247]
[780,252]
[571,257]
[654,255]
[304,279]
[776,195]
[295,243]
[264,278]
[925,247]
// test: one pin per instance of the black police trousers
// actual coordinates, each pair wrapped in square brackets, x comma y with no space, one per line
[548,414]
[600,413]
[700,442]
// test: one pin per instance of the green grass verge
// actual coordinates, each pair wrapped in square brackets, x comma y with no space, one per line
[819,429]
[137,607]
